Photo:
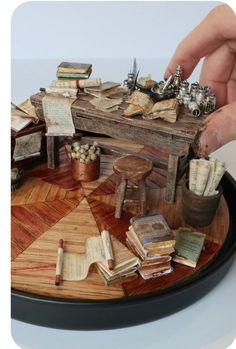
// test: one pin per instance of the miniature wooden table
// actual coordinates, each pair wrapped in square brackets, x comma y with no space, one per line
[177,139]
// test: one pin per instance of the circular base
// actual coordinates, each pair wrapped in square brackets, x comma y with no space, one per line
[128,311]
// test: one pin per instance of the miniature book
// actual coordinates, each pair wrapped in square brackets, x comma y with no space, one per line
[167,110]
[139,103]
[19,120]
[73,67]
[153,231]
[188,247]
[27,146]
[106,89]
[22,115]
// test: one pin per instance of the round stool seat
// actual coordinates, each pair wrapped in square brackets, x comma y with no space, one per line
[132,167]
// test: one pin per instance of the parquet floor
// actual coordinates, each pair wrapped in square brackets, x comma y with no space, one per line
[51,205]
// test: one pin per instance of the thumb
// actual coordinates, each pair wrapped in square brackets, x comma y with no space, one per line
[219,129]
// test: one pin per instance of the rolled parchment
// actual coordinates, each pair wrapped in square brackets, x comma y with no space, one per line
[219,171]
[203,170]
[60,252]
[212,163]
[193,174]
[107,245]
[91,82]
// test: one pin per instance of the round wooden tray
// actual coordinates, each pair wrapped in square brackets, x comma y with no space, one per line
[89,314]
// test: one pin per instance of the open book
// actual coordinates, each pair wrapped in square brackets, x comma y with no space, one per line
[22,115]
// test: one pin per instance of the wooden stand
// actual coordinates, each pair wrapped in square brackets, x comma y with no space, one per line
[134,169]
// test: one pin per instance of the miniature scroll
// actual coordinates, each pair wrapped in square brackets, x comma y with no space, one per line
[57,114]
[205,176]
[202,176]
[27,146]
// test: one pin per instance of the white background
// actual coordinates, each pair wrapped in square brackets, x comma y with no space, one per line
[110,35]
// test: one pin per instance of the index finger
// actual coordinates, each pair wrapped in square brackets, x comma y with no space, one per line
[218,26]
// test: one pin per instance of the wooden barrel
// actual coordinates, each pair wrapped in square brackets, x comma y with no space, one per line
[199,211]
[85,172]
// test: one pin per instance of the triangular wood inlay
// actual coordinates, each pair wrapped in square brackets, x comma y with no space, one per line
[30,221]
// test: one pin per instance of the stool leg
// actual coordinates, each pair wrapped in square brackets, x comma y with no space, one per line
[120,196]
[142,196]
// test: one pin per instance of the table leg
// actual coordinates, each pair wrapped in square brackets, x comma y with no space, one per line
[142,197]
[171,180]
[53,151]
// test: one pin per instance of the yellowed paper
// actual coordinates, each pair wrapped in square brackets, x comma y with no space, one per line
[104,103]
[19,120]
[76,266]
[140,101]
[202,176]
[66,92]
[92,82]
[28,108]
[219,171]
[27,146]
[193,174]
[58,117]
[212,163]
[107,246]
[59,261]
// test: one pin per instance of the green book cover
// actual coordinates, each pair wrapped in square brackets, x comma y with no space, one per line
[188,246]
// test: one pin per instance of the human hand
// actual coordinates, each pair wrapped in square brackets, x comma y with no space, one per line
[215,39]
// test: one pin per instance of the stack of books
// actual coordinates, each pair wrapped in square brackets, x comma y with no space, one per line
[150,238]
[72,70]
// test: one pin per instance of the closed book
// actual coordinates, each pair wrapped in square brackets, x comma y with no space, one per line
[188,247]
[153,231]
[147,275]
[73,67]
[106,89]
[142,251]
[74,75]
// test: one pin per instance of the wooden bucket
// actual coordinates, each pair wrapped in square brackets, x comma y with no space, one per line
[85,172]
[199,211]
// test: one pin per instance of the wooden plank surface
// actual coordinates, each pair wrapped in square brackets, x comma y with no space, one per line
[185,127]
[78,210]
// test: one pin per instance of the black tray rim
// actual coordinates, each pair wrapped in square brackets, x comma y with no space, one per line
[22,303]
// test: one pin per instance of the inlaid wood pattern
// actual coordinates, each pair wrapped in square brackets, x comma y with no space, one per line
[50,205]
[34,269]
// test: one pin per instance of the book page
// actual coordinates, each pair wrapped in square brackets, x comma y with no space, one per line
[19,120]
[29,109]
[57,114]
[27,146]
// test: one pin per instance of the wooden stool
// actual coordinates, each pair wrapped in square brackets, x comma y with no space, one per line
[131,168]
